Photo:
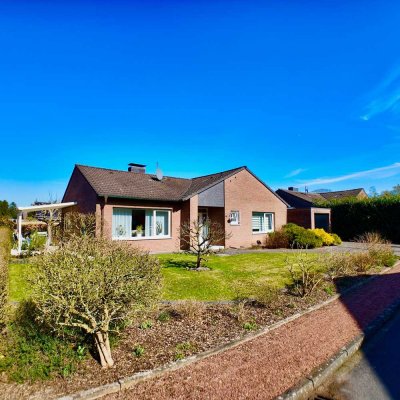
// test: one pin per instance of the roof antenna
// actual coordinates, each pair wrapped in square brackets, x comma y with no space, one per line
[159,173]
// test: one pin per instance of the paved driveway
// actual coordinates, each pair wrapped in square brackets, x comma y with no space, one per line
[372,373]
[343,248]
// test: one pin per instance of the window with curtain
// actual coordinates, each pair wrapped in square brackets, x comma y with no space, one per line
[133,223]
[262,222]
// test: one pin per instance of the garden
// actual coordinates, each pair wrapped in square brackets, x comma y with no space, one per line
[94,311]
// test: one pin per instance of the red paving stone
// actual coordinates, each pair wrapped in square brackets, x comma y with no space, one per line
[270,364]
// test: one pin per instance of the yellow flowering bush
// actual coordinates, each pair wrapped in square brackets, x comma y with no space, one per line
[327,238]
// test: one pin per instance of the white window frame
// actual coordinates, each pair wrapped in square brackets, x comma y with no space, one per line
[264,216]
[234,217]
[153,234]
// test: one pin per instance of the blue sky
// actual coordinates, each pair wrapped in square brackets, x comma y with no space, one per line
[302,92]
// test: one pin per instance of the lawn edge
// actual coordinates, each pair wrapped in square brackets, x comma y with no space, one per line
[298,392]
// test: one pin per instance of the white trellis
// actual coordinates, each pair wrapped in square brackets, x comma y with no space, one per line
[43,207]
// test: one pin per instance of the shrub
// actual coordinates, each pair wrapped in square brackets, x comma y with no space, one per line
[338,265]
[362,262]
[277,240]
[302,238]
[37,243]
[336,239]
[6,222]
[378,248]
[94,285]
[183,349]
[190,309]
[138,350]
[78,224]
[250,326]
[5,248]
[327,239]
[305,273]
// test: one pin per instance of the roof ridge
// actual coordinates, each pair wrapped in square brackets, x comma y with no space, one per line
[128,172]
[220,172]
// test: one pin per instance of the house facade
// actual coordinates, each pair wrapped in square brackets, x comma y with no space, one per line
[147,210]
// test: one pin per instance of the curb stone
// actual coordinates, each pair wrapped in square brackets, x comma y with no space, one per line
[298,392]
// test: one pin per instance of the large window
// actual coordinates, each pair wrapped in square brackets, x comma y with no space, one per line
[132,223]
[262,222]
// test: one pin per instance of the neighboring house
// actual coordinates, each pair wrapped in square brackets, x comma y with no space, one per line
[359,194]
[304,209]
[148,210]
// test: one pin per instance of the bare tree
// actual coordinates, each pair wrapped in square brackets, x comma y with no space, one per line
[199,236]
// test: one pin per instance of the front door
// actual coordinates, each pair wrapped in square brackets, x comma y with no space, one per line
[203,216]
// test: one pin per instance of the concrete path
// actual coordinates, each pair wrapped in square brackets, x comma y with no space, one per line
[268,365]
[372,373]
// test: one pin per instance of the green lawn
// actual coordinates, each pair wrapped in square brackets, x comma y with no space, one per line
[179,283]
[226,272]
[19,288]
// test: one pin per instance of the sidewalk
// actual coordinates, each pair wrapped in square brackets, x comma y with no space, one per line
[270,364]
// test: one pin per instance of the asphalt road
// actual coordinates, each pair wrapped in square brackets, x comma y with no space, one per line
[374,372]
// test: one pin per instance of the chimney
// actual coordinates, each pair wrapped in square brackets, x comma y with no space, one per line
[137,168]
[293,189]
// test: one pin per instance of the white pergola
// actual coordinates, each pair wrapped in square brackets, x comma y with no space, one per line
[43,207]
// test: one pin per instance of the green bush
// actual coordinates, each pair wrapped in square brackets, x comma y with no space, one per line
[5,248]
[301,238]
[277,240]
[37,243]
[336,239]
[29,353]
[94,285]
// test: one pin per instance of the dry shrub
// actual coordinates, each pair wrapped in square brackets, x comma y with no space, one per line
[378,248]
[5,248]
[338,265]
[96,286]
[239,312]
[277,240]
[190,309]
[305,273]
[362,262]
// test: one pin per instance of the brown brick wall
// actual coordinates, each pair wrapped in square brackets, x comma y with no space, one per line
[300,216]
[80,191]
[245,193]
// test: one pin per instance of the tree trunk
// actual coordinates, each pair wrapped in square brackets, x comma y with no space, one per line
[198,263]
[103,347]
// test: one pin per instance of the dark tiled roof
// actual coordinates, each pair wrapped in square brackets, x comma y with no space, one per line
[341,194]
[124,184]
[307,197]
[203,182]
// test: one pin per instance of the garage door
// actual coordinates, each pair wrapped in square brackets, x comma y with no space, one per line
[321,221]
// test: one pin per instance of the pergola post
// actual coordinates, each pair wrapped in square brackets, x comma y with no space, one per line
[19,227]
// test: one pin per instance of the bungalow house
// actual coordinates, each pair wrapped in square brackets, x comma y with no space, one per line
[306,210]
[147,210]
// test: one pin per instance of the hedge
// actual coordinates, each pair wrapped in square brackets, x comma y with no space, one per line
[5,248]
[352,217]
